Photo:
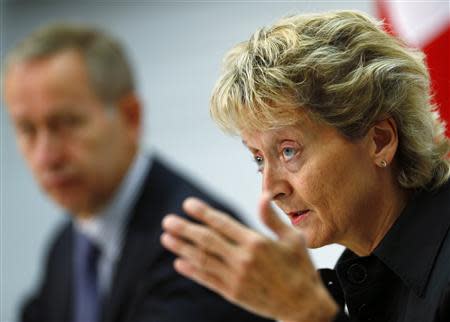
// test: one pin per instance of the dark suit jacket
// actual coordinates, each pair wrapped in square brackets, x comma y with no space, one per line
[145,286]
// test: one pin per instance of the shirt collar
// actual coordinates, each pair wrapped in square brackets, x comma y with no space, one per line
[411,246]
[107,228]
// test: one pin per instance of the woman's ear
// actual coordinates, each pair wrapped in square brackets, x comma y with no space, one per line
[384,141]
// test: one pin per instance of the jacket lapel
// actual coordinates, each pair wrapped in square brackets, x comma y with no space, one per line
[60,275]
[140,249]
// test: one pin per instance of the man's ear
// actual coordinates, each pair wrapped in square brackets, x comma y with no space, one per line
[130,111]
[383,138]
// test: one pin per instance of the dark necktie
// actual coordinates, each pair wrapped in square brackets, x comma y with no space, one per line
[86,295]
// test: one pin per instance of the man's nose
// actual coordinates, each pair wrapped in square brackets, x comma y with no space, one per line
[275,183]
[48,150]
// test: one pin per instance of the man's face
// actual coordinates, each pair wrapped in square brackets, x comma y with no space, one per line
[77,147]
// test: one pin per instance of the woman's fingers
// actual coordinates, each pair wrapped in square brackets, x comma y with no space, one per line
[202,237]
[285,233]
[270,217]
[219,221]
[216,283]
[199,258]
[273,278]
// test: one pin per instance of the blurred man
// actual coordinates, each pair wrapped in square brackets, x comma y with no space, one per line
[71,97]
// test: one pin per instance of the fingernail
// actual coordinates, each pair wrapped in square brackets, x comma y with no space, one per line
[169,221]
[193,204]
[165,239]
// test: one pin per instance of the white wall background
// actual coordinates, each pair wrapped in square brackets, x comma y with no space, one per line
[176,48]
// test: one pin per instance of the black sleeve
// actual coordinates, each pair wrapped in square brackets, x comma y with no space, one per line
[330,280]
[168,297]
[341,317]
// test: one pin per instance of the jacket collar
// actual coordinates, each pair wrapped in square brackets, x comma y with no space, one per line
[411,246]
[141,244]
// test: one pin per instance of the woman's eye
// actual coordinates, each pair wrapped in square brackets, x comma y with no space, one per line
[259,162]
[288,153]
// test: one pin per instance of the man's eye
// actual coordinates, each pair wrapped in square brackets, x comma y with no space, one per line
[71,120]
[288,153]
[259,162]
[67,122]
[26,129]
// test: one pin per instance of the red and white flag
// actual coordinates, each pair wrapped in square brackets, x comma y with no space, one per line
[425,25]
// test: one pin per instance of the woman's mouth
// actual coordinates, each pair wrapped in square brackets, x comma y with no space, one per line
[298,216]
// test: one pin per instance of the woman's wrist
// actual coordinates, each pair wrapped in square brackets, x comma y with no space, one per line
[322,309]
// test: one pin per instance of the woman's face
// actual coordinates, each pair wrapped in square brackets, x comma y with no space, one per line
[321,180]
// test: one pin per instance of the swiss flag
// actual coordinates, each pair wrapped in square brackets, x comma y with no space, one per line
[425,25]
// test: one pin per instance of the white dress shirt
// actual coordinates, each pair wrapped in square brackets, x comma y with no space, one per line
[107,228]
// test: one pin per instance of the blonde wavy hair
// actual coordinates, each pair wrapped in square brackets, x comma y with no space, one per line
[344,70]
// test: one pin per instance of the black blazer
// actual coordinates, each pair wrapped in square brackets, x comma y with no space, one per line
[407,278]
[145,286]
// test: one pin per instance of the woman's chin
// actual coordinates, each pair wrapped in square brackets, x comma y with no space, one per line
[313,240]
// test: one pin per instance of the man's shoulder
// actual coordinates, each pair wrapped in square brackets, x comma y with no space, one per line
[165,188]
[60,240]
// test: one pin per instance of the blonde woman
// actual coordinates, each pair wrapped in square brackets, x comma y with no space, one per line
[337,115]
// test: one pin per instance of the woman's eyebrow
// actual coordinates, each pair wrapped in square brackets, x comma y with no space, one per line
[248,147]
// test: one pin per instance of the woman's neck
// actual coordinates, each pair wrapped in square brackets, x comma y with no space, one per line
[388,206]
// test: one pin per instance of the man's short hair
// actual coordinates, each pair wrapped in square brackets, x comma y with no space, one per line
[107,65]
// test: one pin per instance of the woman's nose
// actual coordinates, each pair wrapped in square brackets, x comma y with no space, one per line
[275,183]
